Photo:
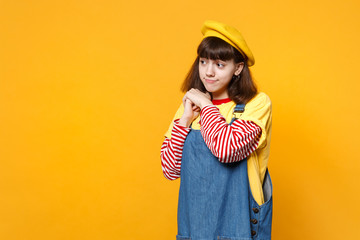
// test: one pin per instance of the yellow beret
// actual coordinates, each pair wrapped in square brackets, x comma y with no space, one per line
[230,35]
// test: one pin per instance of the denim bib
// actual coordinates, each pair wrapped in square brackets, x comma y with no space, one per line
[215,200]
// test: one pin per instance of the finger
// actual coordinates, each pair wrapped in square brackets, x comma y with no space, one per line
[194,91]
[200,93]
[191,103]
[190,96]
[188,106]
[184,99]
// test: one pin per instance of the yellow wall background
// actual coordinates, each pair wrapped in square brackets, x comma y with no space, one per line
[88,88]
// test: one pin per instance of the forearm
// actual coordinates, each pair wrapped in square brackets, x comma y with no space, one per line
[229,143]
[171,151]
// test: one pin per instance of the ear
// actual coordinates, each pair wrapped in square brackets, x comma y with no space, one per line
[239,68]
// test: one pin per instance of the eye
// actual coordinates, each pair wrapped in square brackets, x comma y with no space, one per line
[202,61]
[220,64]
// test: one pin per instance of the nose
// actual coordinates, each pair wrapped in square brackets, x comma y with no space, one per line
[209,70]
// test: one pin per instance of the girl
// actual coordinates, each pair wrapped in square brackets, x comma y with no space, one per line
[219,143]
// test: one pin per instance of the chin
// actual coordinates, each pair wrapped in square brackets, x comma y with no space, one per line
[210,90]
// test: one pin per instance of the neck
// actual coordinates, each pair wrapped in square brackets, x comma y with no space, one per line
[220,95]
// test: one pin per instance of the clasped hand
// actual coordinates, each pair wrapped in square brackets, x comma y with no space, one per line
[194,100]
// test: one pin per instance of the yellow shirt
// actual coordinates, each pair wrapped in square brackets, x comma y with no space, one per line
[257,110]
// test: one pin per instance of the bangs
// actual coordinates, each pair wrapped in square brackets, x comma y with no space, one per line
[217,49]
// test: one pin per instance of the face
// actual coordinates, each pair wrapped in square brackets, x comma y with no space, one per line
[217,74]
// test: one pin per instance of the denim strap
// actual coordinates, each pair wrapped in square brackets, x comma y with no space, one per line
[238,110]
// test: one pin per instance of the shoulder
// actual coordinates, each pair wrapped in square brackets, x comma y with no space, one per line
[261,103]
[260,100]
[259,107]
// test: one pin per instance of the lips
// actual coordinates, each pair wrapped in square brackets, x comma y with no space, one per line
[210,80]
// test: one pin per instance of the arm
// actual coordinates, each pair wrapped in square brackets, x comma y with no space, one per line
[230,143]
[171,151]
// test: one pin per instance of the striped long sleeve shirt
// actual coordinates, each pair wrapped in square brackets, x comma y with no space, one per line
[229,143]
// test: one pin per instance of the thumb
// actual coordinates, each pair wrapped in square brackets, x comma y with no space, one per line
[188,104]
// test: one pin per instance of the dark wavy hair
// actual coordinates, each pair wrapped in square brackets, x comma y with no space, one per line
[241,88]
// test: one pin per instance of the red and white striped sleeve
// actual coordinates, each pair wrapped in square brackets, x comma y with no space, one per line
[229,143]
[171,151]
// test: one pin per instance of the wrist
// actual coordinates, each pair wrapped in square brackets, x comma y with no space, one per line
[205,103]
[185,121]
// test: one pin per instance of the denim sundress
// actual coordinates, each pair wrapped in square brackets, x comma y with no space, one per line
[215,199]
